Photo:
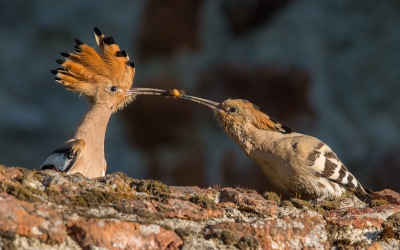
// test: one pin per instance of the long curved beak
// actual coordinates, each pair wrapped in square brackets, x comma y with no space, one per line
[147,91]
[213,105]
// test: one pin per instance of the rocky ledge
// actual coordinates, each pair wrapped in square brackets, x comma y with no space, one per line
[49,210]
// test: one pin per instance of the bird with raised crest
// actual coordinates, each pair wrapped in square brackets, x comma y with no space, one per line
[104,76]
[296,163]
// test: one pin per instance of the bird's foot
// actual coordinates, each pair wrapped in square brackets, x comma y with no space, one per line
[319,199]
[294,195]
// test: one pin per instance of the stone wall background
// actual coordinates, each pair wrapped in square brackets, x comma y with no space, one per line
[325,68]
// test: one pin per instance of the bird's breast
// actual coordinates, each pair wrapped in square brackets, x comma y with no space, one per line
[276,169]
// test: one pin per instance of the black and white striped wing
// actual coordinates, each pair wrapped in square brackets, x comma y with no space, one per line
[60,160]
[64,158]
[327,165]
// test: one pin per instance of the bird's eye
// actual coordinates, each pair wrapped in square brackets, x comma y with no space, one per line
[232,110]
[113,88]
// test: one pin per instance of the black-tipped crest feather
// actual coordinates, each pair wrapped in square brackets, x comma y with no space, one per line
[97,31]
[60,61]
[109,40]
[130,63]
[287,129]
[78,42]
[119,54]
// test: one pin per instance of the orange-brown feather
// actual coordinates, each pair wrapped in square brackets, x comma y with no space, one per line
[78,71]
[65,79]
[116,64]
[74,57]
[99,39]
[89,57]
[88,67]
[261,120]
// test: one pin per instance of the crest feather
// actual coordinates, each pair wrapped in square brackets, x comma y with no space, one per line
[83,70]
[263,121]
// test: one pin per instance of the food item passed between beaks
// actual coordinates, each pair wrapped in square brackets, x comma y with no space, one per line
[176,93]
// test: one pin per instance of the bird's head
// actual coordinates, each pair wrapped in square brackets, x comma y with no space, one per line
[104,75]
[234,114]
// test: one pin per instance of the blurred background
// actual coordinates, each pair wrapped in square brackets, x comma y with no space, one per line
[329,69]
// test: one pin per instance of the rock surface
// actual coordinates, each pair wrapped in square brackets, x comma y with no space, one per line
[48,210]
[329,69]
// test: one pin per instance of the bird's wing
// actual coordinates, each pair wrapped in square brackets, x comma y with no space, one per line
[64,158]
[325,163]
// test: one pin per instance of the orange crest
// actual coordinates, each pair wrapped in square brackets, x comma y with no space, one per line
[88,68]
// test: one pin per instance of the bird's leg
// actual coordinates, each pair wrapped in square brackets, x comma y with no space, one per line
[319,199]
[294,195]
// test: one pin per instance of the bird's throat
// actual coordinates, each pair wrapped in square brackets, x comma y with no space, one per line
[92,128]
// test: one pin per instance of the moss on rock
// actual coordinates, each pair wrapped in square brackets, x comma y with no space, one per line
[391,227]
[271,196]
[155,188]
[18,191]
[184,233]
[286,203]
[330,204]
[301,204]
[29,176]
[227,237]
[377,203]
[348,244]
[54,195]
[203,201]
[95,197]
[246,190]
[248,242]
[7,240]
[87,198]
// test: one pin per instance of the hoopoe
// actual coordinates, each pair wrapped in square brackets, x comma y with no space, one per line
[294,162]
[104,76]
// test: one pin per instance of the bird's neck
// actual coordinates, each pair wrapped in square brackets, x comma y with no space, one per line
[92,126]
[241,134]
[251,138]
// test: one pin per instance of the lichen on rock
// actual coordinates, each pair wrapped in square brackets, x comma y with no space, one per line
[50,210]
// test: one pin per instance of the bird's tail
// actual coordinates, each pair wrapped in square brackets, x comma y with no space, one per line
[368,193]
